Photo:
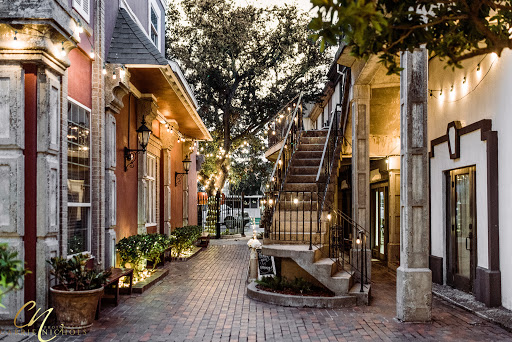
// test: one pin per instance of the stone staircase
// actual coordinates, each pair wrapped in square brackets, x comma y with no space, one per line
[295,222]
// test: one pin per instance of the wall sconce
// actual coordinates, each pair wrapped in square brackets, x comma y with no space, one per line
[186,167]
[143,134]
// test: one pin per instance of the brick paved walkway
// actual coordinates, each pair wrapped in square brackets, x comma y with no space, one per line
[204,300]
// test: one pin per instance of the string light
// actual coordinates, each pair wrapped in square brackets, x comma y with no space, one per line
[464,85]
[91,54]
[104,71]
[122,72]
[114,76]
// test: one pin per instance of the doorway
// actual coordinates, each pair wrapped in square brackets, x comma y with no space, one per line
[379,208]
[461,228]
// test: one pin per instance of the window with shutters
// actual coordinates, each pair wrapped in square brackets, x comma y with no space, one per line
[154,26]
[151,199]
[83,7]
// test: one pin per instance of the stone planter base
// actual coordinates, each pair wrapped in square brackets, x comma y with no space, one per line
[300,301]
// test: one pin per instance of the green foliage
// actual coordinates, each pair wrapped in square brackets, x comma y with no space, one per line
[184,239]
[11,271]
[298,285]
[73,275]
[450,30]
[137,248]
[244,63]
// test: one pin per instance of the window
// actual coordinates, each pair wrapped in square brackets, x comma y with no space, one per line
[151,190]
[83,8]
[79,179]
[154,27]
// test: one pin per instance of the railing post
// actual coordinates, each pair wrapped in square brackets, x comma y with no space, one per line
[363,260]
[243,216]
[217,209]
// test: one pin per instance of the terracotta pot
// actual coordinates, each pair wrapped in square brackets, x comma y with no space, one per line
[75,309]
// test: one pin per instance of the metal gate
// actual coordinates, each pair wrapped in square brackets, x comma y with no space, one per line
[223,214]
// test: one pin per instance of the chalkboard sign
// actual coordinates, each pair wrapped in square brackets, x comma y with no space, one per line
[266,265]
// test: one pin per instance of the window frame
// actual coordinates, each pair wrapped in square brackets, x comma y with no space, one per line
[85,204]
[153,5]
[151,191]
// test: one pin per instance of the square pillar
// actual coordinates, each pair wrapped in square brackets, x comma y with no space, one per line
[361,169]
[414,278]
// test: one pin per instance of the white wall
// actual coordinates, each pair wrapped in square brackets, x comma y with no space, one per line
[485,95]
[472,152]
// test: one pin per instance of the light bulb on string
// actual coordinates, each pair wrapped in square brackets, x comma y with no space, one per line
[122,72]
[104,71]
[114,76]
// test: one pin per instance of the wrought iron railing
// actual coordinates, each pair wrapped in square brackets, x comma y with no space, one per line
[332,147]
[276,180]
[279,124]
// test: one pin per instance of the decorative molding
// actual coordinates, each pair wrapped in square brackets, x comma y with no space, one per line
[115,90]
[484,276]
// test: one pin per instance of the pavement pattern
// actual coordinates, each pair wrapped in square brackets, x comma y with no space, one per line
[204,299]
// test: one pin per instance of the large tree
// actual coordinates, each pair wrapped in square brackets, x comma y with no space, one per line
[451,30]
[244,64]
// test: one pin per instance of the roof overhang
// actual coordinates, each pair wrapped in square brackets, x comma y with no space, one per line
[344,56]
[174,98]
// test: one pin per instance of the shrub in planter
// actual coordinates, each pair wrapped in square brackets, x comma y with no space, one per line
[130,251]
[79,289]
[135,250]
[184,239]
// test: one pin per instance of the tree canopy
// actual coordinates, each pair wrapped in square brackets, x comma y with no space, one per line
[244,63]
[451,30]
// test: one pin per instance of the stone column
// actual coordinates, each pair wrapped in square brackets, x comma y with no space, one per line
[394,214]
[414,278]
[361,167]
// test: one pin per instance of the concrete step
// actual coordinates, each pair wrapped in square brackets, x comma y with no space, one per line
[327,265]
[303,170]
[315,133]
[362,298]
[310,147]
[312,140]
[299,162]
[300,178]
[299,187]
[307,155]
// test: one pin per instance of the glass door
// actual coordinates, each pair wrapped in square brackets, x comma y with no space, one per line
[461,229]
[379,205]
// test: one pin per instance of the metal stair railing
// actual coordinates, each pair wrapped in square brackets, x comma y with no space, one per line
[275,183]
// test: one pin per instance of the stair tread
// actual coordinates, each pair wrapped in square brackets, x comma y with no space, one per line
[324,261]
[342,275]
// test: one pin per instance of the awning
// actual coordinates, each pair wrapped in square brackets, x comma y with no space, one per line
[151,73]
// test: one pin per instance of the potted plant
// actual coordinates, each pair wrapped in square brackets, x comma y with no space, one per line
[75,298]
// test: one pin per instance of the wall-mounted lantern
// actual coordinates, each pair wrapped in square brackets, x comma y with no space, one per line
[143,134]
[186,167]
